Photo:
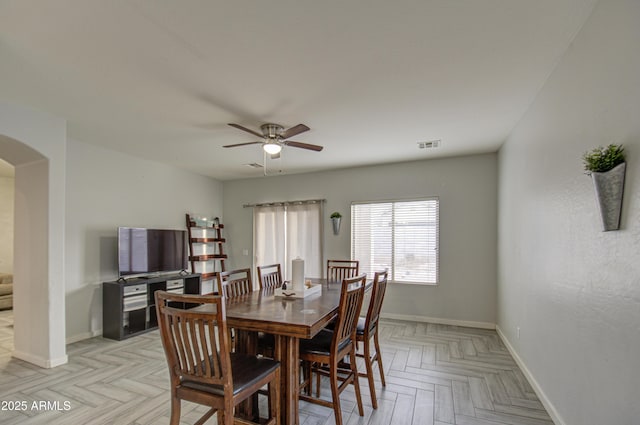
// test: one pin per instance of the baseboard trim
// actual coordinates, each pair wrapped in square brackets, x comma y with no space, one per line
[555,416]
[453,322]
[40,361]
[83,336]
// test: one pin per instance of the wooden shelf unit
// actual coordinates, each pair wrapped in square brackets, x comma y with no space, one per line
[206,251]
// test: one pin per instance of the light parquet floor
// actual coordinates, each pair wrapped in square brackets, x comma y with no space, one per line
[436,375]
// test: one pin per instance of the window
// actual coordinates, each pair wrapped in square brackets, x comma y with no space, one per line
[401,236]
[285,231]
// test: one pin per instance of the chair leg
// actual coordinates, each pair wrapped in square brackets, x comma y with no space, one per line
[274,398]
[317,380]
[369,366]
[356,381]
[379,358]
[307,374]
[227,416]
[335,394]
[175,410]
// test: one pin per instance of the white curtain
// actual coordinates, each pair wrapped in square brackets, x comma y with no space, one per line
[282,233]
[304,237]
[269,235]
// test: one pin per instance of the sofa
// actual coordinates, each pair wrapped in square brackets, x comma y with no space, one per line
[6,291]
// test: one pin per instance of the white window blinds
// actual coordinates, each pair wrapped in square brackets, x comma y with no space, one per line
[401,236]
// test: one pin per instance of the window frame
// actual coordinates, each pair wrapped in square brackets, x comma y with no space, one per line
[392,268]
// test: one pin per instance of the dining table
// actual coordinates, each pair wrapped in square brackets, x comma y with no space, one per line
[289,320]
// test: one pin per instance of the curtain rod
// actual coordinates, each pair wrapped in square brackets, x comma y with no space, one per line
[279,203]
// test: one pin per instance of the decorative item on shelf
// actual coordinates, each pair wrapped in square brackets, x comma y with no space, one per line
[335,219]
[216,222]
[199,220]
[607,168]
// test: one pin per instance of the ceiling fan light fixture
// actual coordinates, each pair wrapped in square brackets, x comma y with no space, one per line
[272,147]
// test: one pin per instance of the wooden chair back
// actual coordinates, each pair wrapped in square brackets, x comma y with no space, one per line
[377,296]
[233,283]
[270,277]
[368,330]
[351,296]
[195,343]
[338,270]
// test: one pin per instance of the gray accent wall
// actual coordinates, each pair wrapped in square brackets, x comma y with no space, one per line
[573,290]
[467,188]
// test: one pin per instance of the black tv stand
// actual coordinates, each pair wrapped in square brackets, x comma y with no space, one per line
[128,305]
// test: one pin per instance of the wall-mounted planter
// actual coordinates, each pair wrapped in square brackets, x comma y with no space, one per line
[609,187]
[336,225]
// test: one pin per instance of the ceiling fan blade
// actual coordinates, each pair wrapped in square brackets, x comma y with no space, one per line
[297,129]
[304,145]
[241,144]
[239,127]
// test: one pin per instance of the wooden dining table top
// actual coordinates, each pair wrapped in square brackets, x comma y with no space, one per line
[296,317]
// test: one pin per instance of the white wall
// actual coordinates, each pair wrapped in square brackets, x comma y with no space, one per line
[574,290]
[467,187]
[107,189]
[34,143]
[6,224]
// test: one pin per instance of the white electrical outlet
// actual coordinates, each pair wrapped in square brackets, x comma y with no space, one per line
[518,332]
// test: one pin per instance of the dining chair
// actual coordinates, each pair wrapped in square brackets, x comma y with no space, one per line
[325,351]
[233,283]
[270,277]
[202,368]
[367,328]
[338,270]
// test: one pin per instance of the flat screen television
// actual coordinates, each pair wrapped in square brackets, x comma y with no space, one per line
[151,251]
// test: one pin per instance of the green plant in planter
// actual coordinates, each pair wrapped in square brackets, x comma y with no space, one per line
[335,215]
[603,159]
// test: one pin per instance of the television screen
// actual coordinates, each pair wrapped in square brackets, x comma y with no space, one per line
[143,251]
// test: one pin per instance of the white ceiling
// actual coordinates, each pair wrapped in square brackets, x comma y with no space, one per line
[161,79]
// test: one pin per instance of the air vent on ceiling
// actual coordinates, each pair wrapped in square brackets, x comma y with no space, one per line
[430,144]
[254,165]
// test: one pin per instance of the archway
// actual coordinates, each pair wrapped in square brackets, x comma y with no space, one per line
[6,229]
[34,144]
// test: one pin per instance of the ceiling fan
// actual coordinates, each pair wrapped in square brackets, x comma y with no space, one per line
[274,138]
